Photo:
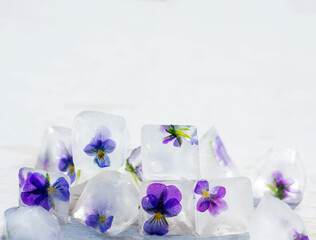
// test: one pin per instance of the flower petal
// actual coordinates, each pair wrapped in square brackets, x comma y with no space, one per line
[220,151]
[200,186]
[156,189]
[150,203]
[63,164]
[168,139]
[172,191]
[108,146]
[177,142]
[102,133]
[203,204]
[35,181]
[21,178]
[72,176]
[156,227]
[164,128]
[62,187]
[218,205]
[102,162]
[108,223]
[172,208]
[92,220]
[91,149]
[219,192]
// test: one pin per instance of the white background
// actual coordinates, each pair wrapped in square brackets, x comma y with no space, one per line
[247,67]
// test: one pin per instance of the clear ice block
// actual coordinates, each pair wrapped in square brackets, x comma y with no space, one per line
[170,152]
[100,141]
[49,190]
[214,159]
[223,206]
[108,203]
[282,175]
[275,220]
[35,223]
[167,208]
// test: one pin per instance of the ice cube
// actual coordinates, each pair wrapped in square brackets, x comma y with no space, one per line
[31,223]
[134,166]
[170,152]
[282,175]
[56,152]
[109,203]
[223,206]
[46,189]
[99,141]
[214,159]
[167,208]
[275,220]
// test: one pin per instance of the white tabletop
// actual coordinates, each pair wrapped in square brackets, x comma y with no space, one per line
[249,68]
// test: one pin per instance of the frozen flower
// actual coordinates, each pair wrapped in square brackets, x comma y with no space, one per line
[211,200]
[66,163]
[38,191]
[135,167]
[100,146]
[280,186]
[99,220]
[298,236]
[175,133]
[162,202]
[219,150]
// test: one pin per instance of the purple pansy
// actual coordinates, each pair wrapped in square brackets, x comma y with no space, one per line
[38,191]
[100,146]
[176,134]
[66,163]
[280,186]
[219,150]
[162,202]
[298,236]
[211,200]
[134,166]
[99,220]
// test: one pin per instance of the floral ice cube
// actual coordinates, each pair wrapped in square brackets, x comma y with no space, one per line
[214,159]
[56,152]
[167,208]
[275,220]
[282,175]
[170,152]
[223,206]
[46,189]
[108,203]
[100,141]
[34,223]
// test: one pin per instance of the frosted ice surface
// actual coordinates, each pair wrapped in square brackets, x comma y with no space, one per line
[33,223]
[230,210]
[282,175]
[100,141]
[214,159]
[275,220]
[49,190]
[170,152]
[108,204]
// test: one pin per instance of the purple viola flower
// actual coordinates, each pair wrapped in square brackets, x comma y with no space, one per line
[38,191]
[162,202]
[298,236]
[99,220]
[211,200]
[100,146]
[219,150]
[280,186]
[66,163]
[176,134]
[134,166]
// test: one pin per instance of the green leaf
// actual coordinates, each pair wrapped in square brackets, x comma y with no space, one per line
[273,188]
[183,129]
[182,134]
[47,177]
[129,167]
[78,174]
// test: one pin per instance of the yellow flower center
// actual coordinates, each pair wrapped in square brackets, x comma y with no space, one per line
[158,216]
[52,190]
[100,154]
[102,219]
[71,169]
[205,193]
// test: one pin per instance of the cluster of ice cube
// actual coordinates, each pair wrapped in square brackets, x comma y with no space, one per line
[173,184]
